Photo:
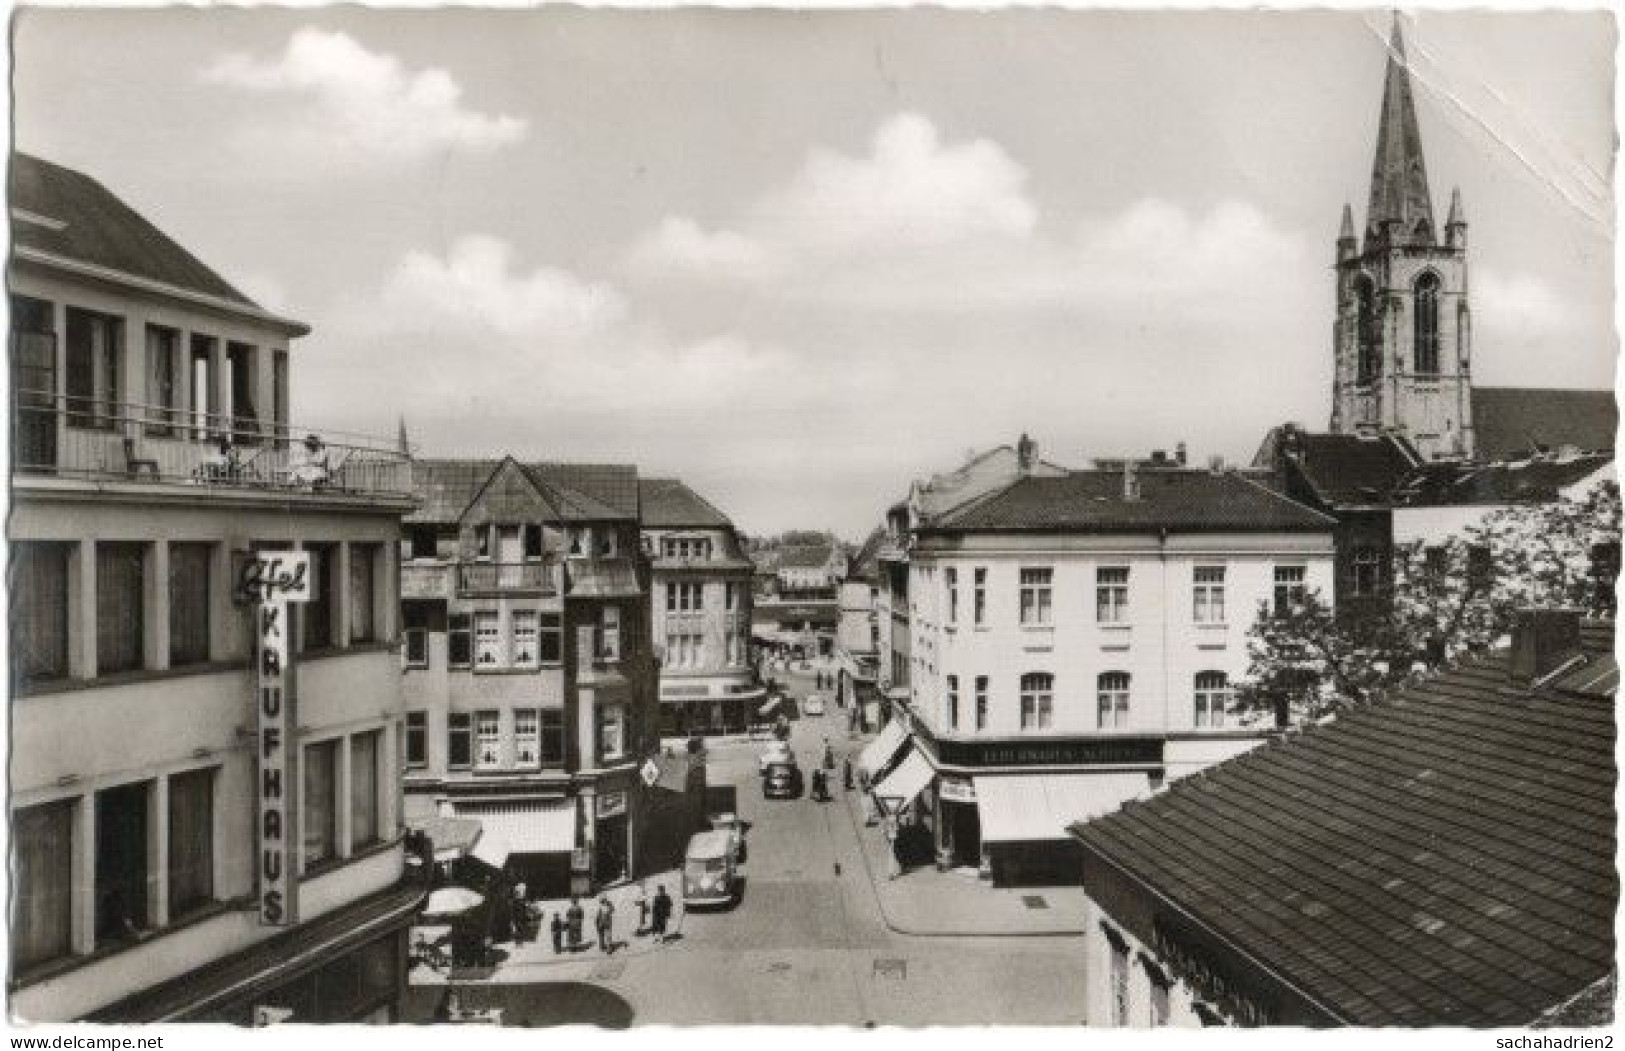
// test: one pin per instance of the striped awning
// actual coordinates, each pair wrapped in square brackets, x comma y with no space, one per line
[906,781]
[879,752]
[522,827]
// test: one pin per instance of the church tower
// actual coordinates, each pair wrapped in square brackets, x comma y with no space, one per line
[1402,340]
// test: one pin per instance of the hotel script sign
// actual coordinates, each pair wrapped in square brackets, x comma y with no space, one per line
[270,580]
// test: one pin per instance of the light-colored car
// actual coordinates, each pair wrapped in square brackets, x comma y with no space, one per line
[813,705]
[775,752]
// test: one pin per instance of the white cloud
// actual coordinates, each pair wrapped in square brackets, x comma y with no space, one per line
[681,244]
[364,102]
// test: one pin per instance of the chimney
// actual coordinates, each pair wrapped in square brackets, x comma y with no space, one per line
[1159,458]
[1131,484]
[1215,464]
[1026,455]
[1179,454]
[1542,639]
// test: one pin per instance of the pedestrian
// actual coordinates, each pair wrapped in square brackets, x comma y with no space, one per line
[829,755]
[661,912]
[575,918]
[846,773]
[643,910]
[606,926]
[558,933]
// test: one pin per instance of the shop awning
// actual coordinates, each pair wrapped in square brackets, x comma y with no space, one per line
[908,780]
[541,827]
[769,708]
[1031,807]
[878,753]
[453,837]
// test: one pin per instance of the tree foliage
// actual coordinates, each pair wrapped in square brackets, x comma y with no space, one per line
[1444,602]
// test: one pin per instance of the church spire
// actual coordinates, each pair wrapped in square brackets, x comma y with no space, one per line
[1401,210]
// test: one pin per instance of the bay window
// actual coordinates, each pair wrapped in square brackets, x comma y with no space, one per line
[364,783]
[319,815]
[191,841]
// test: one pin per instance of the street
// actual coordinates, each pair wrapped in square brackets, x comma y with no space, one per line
[809,945]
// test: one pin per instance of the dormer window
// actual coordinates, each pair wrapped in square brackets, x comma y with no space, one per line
[533,541]
[580,538]
[606,544]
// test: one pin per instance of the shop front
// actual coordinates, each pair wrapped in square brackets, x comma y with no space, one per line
[957,823]
[527,839]
[1023,820]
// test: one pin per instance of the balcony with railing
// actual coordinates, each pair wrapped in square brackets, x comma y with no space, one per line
[489,578]
[66,436]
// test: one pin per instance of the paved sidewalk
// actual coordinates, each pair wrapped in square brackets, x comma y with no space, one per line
[532,961]
[926,902]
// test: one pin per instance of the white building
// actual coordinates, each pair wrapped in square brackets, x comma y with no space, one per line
[138,829]
[1073,641]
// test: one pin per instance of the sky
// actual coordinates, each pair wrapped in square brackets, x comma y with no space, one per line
[799,259]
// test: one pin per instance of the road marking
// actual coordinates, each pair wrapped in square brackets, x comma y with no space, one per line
[893,967]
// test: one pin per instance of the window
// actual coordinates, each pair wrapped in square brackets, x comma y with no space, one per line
[317,613]
[1289,589]
[1367,332]
[611,732]
[533,541]
[459,740]
[1111,594]
[121,863]
[191,841]
[1037,696]
[42,888]
[189,604]
[953,702]
[94,351]
[1035,595]
[950,580]
[487,641]
[320,815]
[609,634]
[1207,595]
[163,348]
[1112,691]
[525,651]
[1480,566]
[422,541]
[364,781]
[685,598]
[1426,324]
[39,611]
[979,597]
[580,539]
[417,740]
[415,634]
[552,638]
[527,737]
[552,737]
[120,597]
[1365,572]
[730,593]
[279,390]
[1212,697]
[1160,984]
[459,642]
[487,740]
[607,546]
[482,541]
[363,559]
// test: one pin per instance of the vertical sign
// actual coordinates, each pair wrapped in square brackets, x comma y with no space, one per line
[270,580]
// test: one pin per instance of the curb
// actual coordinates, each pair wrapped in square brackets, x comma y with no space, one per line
[896,928]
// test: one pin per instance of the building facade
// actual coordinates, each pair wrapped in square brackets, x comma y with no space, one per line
[1403,334]
[1073,644]
[529,675]
[150,461]
[701,618]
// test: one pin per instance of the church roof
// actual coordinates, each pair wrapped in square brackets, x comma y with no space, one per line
[1399,181]
[1509,422]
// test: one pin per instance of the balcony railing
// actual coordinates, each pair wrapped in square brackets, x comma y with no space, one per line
[77,437]
[539,577]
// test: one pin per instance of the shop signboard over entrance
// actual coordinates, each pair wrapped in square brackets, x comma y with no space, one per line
[956,789]
[271,580]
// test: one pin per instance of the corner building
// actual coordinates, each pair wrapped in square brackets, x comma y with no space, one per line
[134,776]
[1074,639]
[529,676]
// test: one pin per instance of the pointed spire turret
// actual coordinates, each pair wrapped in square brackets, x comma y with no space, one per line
[1455,227]
[400,438]
[1347,246]
[1401,210]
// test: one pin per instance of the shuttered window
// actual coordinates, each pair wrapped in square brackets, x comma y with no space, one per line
[120,591]
[188,604]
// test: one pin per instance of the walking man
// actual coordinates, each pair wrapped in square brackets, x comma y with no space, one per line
[606,926]
[576,918]
[558,933]
[662,912]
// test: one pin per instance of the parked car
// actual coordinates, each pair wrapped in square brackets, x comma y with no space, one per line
[813,705]
[782,781]
[775,752]
[708,870]
[735,826]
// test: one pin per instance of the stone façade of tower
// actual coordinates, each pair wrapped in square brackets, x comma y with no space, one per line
[1402,340]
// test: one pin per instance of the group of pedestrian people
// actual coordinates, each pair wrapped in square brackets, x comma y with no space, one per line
[568,926]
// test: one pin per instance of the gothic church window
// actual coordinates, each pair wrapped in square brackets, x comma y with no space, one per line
[1427,325]
[1368,331]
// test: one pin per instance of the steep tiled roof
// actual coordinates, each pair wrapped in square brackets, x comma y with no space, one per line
[593,492]
[670,504]
[1441,857]
[1510,422]
[69,214]
[1094,500]
[1352,470]
[1517,481]
[866,563]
